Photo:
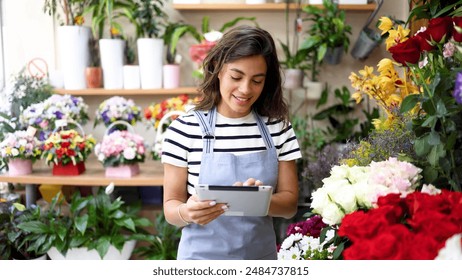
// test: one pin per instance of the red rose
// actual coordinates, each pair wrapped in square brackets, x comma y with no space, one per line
[457,29]
[65,144]
[147,113]
[424,40]
[440,28]
[423,247]
[407,52]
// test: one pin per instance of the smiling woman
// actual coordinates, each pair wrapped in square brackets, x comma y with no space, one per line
[238,134]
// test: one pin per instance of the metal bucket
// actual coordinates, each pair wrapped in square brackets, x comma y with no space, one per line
[368,38]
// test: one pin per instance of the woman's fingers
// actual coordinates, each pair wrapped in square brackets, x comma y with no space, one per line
[203,212]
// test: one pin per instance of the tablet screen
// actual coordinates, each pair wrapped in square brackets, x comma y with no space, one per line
[241,200]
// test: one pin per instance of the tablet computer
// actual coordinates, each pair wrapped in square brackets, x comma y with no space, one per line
[241,200]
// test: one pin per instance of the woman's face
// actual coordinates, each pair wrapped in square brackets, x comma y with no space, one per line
[241,83]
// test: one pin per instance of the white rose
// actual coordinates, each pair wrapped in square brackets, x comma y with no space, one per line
[332,214]
[346,198]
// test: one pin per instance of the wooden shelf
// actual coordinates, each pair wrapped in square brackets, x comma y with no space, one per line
[260,7]
[151,174]
[144,92]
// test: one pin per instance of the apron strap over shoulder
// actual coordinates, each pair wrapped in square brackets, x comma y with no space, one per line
[207,125]
[265,134]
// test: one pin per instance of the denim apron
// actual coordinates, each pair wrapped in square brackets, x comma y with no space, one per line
[232,237]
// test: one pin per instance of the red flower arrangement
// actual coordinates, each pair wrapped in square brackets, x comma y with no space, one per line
[414,227]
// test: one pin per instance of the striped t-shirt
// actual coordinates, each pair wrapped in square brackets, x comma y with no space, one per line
[182,143]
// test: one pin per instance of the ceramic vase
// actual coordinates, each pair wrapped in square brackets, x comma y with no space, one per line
[112,62]
[171,75]
[150,54]
[74,54]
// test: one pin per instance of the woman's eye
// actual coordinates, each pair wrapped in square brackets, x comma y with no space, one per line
[235,78]
[257,82]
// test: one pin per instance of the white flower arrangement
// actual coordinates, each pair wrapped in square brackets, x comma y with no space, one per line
[20,144]
[303,247]
[117,108]
[351,188]
[43,115]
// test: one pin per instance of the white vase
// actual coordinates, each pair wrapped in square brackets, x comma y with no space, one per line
[85,254]
[74,54]
[112,62]
[293,78]
[132,77]
[171,76]
[150,53]
[313,90]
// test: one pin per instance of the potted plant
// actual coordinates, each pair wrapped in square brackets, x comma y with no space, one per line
[121,152]
[13,244]
[105,15]
[149,20]
[328,33]
[94,72]
[171,70]
[96,227]
[73,39]
[20,149]
[164,244]
[296,57]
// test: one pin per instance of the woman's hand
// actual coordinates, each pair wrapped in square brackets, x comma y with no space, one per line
[202,212]
[249,182]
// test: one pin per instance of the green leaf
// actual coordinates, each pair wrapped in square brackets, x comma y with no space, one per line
[430,174]
[81,223]
[434,138]
[103,246]
[338,251]
[421,146]
[409,102]
[36,227]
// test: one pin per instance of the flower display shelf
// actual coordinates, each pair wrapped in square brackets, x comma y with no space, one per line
[261,7]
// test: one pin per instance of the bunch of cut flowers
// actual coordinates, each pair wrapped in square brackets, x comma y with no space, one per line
[156,111]
[423,225]
[20,144]
[117,108]
[348,189]
[307,240]
[67,146]
[43,115]
[120,147]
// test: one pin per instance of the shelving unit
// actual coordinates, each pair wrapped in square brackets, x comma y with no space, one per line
[259,7]
[141,92]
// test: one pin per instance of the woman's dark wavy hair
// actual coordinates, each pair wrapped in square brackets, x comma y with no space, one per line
[241,42]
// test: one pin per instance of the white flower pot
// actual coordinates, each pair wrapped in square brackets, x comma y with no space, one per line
[85,254]
[171,76]
[313,90]
[293,78]
[112,62]
[150,53]
[132,77]
[74,54]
